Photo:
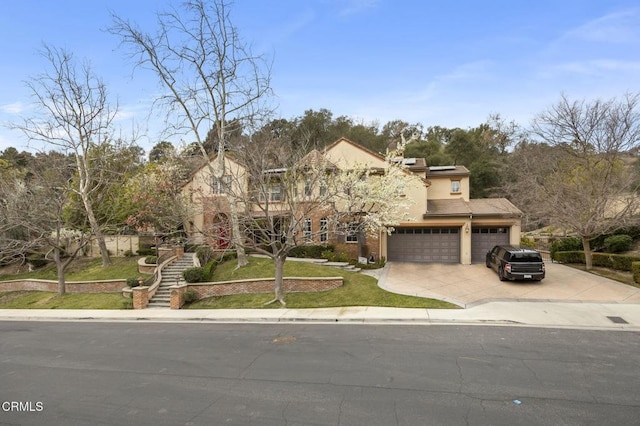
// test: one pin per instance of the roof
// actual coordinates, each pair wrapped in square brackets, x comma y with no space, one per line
[357,145]
[435,171]
[315,158]
[494,207]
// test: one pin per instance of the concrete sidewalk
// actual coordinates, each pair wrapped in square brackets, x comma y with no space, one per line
[533,314]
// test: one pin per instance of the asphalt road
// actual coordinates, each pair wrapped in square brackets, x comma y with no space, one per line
[61,373]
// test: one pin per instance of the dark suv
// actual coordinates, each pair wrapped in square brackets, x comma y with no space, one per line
[514,263]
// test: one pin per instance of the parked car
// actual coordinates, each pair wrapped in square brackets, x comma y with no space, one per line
[514,263]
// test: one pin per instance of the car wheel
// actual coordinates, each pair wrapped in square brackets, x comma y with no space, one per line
[501,274]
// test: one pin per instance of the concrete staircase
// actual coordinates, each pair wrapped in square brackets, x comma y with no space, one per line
[169,275]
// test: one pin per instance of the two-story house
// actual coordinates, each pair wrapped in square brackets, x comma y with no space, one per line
[445,227]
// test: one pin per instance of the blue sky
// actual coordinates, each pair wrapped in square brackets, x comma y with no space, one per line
[447,63]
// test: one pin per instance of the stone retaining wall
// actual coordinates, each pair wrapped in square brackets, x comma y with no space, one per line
[252,286]
[107,286]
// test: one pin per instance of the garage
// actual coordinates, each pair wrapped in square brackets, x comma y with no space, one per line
[483,238]
[429,245]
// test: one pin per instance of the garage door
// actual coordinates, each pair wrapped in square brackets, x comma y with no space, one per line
[434,245]
[483,238]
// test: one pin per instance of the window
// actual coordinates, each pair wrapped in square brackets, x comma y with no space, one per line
[307,188]
[324,230]
[221,185]
[352,233]
[306,230]
[455,186]
[273,193]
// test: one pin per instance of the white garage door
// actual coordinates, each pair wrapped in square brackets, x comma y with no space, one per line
[483,238]
[432,245]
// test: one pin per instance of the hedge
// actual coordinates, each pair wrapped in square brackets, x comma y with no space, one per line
[620,262]
[635,269]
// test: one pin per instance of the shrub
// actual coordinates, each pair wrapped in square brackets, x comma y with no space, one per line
[527,242]
[132,282]
[635,269]
[310,251]
[569,256]
[146,251]
[37,260]
[129,253]
[332,256]
[565,244]
[618,243]
[205,254]
[151,260]
[194,275]
[127,304]
[190,296]
[605,260]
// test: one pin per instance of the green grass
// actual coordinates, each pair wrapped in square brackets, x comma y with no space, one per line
[85,269]
[82,269]
[47,300]
[358,289]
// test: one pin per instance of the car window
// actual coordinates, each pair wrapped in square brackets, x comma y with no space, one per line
[525,257]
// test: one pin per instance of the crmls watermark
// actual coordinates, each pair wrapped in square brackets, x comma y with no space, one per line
[22,406]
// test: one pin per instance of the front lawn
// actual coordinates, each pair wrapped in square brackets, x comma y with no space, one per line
[358,289]
[85,269]
[48,300]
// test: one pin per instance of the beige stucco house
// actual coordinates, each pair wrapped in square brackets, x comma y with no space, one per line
[445,225]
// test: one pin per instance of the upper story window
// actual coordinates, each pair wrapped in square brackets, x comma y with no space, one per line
[273,192]
[221,185]
[455,187]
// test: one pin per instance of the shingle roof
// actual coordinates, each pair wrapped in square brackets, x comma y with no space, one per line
[497,207]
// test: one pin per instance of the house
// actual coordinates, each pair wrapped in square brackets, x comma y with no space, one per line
[445,225]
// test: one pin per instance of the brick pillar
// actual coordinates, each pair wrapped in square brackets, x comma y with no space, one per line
[177,296]
[140,297]
[179,251]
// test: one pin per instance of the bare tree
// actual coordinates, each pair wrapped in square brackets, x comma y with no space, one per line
[212,78]
[74,115]
[33,212]
[589,187]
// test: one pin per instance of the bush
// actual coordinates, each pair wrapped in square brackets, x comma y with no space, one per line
[565,244]
[569,256]
[132,282]
[129,253]
[190,296]
[332,256]
[527,242]
[146,251]
[151,260]
[37,260]
[310,251]
[635,269]
[618,243]
[605,260]
[205,254]
[195,275]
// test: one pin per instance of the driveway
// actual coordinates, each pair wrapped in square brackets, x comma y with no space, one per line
[466,285]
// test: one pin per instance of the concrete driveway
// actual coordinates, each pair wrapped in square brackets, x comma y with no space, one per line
[466,285]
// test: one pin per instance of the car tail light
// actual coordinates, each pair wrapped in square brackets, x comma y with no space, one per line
[507,267]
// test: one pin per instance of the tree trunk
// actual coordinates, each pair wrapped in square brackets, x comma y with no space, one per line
[235,233]
[279,266]
[95,230]
[60,267]
[586,244]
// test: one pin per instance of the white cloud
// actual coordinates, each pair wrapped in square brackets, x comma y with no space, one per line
[354,7]
[13,108]
[619,27]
